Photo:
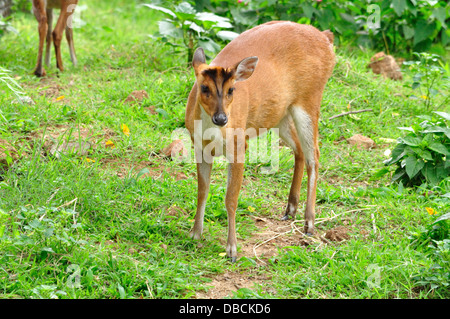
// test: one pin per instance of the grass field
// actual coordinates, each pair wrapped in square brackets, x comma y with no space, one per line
[113,221]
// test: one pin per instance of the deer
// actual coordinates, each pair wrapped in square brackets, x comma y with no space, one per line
[270,76]
[43,11]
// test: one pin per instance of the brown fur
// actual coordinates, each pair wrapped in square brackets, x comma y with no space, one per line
[294,64]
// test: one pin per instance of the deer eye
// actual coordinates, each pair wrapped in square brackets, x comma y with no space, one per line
[230,91]
[204,89]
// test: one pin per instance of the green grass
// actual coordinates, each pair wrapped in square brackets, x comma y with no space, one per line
[114,223]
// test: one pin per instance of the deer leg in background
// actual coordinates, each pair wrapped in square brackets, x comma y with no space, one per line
[49,36]
[69,37]
[41,17]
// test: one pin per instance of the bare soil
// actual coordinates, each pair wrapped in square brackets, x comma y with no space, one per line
[271,238]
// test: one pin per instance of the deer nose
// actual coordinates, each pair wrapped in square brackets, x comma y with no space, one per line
[220,119]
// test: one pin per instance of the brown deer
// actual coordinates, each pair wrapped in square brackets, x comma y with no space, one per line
[271,76]
[43,11]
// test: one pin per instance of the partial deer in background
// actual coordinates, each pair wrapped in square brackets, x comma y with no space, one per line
[43,11]
[271,76]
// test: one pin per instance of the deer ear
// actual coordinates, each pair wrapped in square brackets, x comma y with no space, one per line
[245,68]
[199,58]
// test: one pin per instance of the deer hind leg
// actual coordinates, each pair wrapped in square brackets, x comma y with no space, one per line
[67,8]
[288,134]
[41,17]
[307,131]
[69,37]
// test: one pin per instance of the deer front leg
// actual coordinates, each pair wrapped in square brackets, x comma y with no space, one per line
[41,17]
[234,182]
[203,181]
[57,38]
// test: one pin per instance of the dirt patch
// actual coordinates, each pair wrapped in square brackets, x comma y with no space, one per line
[58,138]
[136,96]
[8,153]
[272,235]
[338,233]
[153,169]
[225,284]
[53,91]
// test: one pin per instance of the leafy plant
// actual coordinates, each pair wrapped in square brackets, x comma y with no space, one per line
[21,5]
[435,240]
[5,26]
[402,25]
[184,24]
[437,231]
[423,154]
[7,80]
[427,74]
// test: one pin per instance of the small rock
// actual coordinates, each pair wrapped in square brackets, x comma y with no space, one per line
[361,141]
[136,96]
[385,65]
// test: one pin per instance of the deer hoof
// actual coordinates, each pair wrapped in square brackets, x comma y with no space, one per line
[40,73]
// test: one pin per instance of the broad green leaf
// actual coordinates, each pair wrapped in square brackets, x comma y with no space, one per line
[443,217]
[425,154]
[210,20]
[208,16]
[164,10]
[208,44]
[438,147]
[168,28]
[410,129]
[399,173]
[308,9]
[227,35]
[439,14]
[397,153]
[445,115]
[380,173]
[185,11]
[408,32]
[441,171]
[438,129]
[195,27]
[430,173]
[411,140]
[423,30]
[413,166]
[399,6]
